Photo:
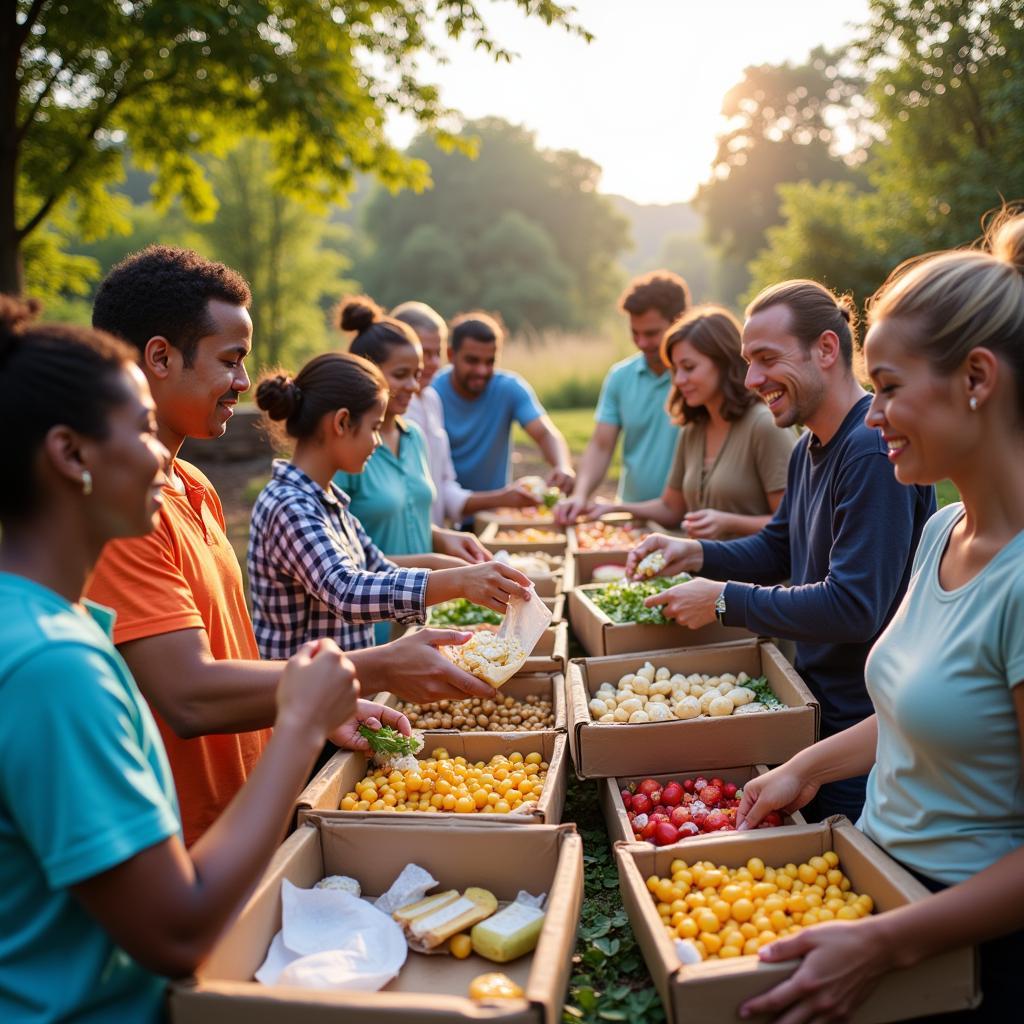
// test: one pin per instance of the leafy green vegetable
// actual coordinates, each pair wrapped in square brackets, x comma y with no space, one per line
[623,600]
[386,740]
[460,612]
[764,693]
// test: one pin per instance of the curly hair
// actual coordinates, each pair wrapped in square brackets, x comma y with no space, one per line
[50,374]
[716,333]
[660,290]
[165,291]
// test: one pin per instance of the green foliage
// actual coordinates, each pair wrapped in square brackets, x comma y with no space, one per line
[518,230]
[176,80]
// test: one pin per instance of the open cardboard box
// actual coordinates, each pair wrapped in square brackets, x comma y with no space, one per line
[607,750]
[511,517]
[550,685]
[326,789]
[612,519]
[598,635]
[614,811]
[429,989]
[519,541]
[713,990]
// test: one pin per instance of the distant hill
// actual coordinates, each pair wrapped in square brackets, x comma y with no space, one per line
[652,225]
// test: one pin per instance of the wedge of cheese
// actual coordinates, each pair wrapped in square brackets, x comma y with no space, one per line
[405,916]
[430,930]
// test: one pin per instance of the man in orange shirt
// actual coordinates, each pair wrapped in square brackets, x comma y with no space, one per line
[182,623]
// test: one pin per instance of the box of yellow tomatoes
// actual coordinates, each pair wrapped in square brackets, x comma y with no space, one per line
[701,910]
[456,778]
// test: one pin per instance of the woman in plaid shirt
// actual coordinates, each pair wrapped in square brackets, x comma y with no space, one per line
[313,570]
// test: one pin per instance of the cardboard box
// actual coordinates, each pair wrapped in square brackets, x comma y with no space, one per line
[614,811]
[510,517]
[545,684]
[325,791]
[580,566]
[714,989]
[429,989]
[555,546]
[606,750]
[598,635]
[615,519]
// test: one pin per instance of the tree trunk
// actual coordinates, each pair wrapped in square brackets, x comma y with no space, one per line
[11,280]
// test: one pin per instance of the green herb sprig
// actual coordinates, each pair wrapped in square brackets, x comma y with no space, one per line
[764,693]
[386,740]
[623,601]
[460,612]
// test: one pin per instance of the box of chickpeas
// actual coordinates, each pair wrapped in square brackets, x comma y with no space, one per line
[730,703]
[701,910]
[515,778]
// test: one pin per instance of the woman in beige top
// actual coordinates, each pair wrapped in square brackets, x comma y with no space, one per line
[729,470]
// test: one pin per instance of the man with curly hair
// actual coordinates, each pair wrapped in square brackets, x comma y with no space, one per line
[633,401]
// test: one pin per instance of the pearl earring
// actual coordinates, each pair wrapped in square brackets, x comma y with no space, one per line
[973,403]
[86,482]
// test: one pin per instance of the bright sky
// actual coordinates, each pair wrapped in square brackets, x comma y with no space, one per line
[644,98]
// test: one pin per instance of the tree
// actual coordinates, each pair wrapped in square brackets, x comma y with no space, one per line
[81,81]
[514,210]
[788,124]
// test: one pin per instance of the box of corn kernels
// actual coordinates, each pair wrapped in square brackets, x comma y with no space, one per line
[710,986]
[455,779]
[429,989]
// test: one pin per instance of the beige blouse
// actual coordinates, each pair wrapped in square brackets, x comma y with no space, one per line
[751,464]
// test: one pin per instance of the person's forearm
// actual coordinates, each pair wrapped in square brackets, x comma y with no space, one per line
[745,526]
[986,906]
[479,500]
[657,509]
[594,465]
[427,560]
[845,755]
[762,558]
[444,585]
[555,451]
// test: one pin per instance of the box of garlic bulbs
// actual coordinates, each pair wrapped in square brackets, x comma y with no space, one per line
[724,704]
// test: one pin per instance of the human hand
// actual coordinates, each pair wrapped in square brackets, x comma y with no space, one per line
[518,496]
[842,961]
[318,690]
[680,555]
[782,789]
[690,604]
[568,510]
[563,478]
[374,715]
[492,584]
[413,668]
[706,524]
[461,545]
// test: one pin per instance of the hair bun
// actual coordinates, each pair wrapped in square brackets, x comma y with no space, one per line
[1008,242]
[358,313]
[15,315]
[279,397]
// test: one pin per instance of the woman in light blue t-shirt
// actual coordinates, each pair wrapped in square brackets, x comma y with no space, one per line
[100,900]
[945,795]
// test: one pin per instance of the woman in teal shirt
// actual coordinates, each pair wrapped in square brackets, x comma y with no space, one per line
[99,898]
[945,748]
[393,495]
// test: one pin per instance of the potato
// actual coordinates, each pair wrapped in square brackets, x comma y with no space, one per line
[620,715]
[658,712]
[688,707]
[641,684]
[740,695]
[630,705]
[629,677]
[638,716]
[661,673]
[607,718]
[656,698]
[598,708]
[720,706]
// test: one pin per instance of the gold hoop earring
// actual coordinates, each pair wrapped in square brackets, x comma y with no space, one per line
[86,482]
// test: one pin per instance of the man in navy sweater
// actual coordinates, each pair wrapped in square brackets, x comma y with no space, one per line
[844,535]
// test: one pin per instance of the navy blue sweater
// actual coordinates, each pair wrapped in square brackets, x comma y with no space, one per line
[844,536]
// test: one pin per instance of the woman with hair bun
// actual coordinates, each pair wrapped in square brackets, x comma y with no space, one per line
[945,747]
[100,899]
[313,569]
[729,470]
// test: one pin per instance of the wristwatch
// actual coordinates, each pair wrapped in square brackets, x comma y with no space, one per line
[720,608]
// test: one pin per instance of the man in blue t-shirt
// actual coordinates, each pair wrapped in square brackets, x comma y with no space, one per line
[633,399]
[480,405]
[844,535]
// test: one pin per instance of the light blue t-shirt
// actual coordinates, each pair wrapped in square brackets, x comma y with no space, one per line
[945,796]
[84,786]
[393,494]
[633,398]
[480,429]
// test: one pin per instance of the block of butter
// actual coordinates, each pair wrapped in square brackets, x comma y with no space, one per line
[405,916]
[432,929]
[509,934]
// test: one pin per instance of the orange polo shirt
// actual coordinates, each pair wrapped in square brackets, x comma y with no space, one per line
[184,575]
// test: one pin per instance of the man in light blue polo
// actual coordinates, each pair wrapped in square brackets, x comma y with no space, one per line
[632,402]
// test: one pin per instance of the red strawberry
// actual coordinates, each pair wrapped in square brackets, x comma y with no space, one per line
[672,794]
[714,821]
[649,786]
[647,832]
[665,833]
[687,785]
[641,803]
[680,815]
[729,790]
[688,829]
[711,794]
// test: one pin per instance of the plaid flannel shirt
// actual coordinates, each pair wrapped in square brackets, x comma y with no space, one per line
[314,571]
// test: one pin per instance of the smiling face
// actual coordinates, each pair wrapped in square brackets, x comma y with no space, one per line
[129,465]
[647,329]
[430,342]
[473,366]
[355,443]
[695,376]
[402,371]
[922,416]
[780,368]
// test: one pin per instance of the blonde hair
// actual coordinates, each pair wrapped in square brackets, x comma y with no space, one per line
[962,299]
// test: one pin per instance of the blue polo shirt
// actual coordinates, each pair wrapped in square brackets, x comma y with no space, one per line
[633,399]
[84,786]
[480,429]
